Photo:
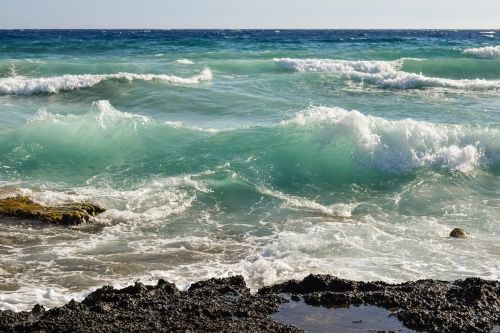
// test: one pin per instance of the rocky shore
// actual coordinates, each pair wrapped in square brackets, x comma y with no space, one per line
[227,305]
[68,214]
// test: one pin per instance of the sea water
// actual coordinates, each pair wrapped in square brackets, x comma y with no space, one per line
[271,154]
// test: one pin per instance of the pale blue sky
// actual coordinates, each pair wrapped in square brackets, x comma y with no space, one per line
[166,14]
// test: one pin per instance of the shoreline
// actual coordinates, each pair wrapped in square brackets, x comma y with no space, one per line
[227,304]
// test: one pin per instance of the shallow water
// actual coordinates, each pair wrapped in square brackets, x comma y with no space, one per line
[364,318]
[262,153]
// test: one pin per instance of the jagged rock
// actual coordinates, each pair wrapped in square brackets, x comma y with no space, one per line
[227,305]
[215,305]
[470,305]
[67,214]
[458,233]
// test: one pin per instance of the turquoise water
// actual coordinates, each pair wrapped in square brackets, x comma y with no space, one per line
[271,154]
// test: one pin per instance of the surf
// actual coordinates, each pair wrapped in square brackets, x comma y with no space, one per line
[487,52]
[52,85]
[329,145]
[386,74]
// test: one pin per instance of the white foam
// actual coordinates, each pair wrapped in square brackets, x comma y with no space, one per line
[184,61]
[103,114]
[360,250]
[107,117]
[403,145]
[26,297]
[180,124]
[389,247]
[487,52]
[383,73]
[20,85]
[341,210]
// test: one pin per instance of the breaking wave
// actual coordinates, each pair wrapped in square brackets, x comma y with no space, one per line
[401,145]
[387,74]
[184,62]
[322,145]
[487,52]
[26,86]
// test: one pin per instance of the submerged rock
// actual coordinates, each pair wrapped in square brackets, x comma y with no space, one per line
[67,214]
[458,233]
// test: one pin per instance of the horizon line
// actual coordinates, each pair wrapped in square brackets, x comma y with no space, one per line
[236,29]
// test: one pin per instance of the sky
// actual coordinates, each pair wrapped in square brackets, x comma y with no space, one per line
[244,14]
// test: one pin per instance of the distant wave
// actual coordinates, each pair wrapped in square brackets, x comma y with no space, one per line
[383,73]
[184,61]
[487,52]
[54,84]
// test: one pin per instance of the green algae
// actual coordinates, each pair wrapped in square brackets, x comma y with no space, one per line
[67,214]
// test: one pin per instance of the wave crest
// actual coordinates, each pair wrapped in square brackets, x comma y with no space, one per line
[402,145]
[28,86]
[330,143]
[487,52]
[383,73]
[184,61]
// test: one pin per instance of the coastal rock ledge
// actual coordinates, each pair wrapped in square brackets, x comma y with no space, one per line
[227,305]
[67,214]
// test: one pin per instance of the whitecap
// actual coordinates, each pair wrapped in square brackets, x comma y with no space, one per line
[26,86]
[383,73]
[404,145]
[184,61]
[487,52]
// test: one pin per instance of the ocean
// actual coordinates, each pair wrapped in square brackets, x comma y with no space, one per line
[267,153]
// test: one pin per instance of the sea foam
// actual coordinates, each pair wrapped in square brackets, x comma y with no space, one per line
[382,73]
[487,52]
[107,117]
[374,143]
[184,61]
[20,85]
[402,145]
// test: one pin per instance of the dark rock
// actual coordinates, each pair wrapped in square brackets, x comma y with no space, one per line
[68,214]
[215,305]
[458,233]
[227,305]
[312,283]
[470,305]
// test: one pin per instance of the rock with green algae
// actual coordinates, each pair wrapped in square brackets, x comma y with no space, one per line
[67,214]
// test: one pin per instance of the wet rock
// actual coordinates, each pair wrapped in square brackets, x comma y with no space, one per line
[458,233]
[215,305]
[227,305]
[67,214]
[312,283]
[470,305]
